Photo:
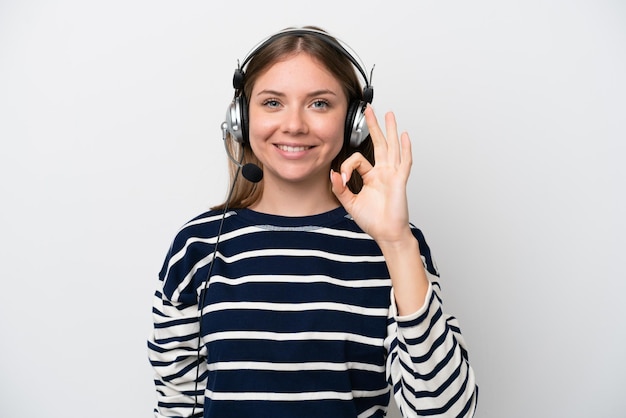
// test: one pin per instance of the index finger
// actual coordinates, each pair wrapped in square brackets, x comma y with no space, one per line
[378,138]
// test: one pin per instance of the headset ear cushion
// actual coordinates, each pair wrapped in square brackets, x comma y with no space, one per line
[352,108]
[237,119]
[243,107]
[356,128]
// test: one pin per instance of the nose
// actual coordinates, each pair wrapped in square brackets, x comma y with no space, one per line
[294,121]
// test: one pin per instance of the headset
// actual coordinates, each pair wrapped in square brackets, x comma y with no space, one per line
[356,131]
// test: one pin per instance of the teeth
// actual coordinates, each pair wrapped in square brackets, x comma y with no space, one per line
[287,148]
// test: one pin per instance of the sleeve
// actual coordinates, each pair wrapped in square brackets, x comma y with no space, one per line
[428,364]
[179,366]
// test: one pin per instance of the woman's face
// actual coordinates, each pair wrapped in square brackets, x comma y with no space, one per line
[297,111]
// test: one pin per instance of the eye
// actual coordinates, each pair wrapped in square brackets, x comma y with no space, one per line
[271,103]
[320,104]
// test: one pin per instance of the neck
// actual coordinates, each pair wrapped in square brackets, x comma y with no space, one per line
[295,200]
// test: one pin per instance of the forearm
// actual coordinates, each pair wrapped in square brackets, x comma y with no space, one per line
[408,276]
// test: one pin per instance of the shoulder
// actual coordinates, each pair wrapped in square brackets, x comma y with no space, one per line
[192,243]
[203,226]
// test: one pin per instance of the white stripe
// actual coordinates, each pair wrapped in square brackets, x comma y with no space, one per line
[296,307]
[299,396]
[297,336]
[207,220]
[296,367]
[344,234]
[284,252]
[302,279]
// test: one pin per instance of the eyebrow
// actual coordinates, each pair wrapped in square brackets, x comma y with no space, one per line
[311,94]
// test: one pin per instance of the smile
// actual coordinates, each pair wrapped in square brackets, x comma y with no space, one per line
[288,148]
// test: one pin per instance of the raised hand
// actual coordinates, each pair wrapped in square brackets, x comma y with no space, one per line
[380,208]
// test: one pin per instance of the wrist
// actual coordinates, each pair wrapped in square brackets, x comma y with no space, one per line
[402,242]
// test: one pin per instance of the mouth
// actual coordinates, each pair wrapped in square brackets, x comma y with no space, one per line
[289,148]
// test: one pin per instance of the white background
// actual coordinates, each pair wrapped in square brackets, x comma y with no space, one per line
[110,140]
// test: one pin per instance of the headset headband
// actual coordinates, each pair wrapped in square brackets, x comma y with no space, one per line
[341,47]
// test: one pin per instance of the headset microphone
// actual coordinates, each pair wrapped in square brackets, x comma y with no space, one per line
[250,172]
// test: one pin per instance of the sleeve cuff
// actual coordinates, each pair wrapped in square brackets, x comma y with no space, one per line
[415,315]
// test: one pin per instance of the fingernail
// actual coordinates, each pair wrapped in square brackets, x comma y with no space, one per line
[344,178]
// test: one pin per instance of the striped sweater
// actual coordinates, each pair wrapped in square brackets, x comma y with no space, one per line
[298,320]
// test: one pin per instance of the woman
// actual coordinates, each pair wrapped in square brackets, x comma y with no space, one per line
[316,295]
